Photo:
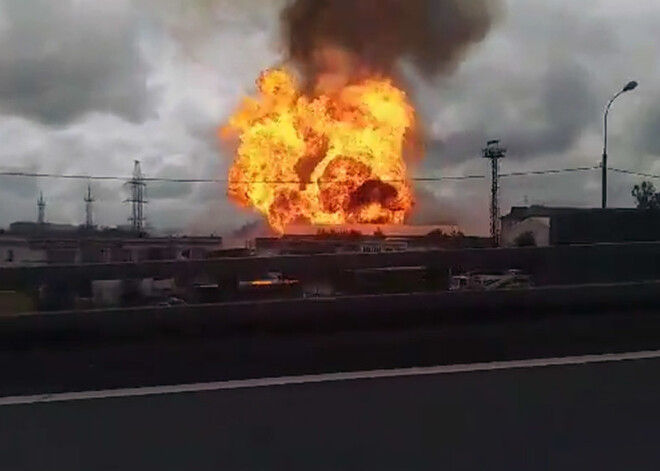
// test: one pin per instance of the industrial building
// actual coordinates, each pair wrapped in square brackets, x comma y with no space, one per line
[96,248]
[363,238]
[570,226]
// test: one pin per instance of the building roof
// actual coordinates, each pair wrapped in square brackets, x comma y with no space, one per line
[525,212]
[146,241]
[12,241]
[392,230]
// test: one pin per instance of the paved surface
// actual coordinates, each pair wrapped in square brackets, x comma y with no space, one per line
[36,368]
[596,416]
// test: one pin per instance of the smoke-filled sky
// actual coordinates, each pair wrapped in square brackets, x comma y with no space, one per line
[87,87]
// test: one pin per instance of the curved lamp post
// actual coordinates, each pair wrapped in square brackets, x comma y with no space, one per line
[630,86]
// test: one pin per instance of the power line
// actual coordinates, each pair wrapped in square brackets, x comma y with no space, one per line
[203,180]
[548,172]
[61,176]
[634,173]
[448,178]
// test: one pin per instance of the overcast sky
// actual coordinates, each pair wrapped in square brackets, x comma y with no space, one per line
[87,87]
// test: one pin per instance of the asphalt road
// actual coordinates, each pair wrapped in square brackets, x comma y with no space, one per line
[591,417]
[596,416]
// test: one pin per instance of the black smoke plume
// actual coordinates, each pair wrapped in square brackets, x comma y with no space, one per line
[433,34]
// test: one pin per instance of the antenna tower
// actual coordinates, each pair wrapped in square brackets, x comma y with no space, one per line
[494,153]
[41,205]
[89,207]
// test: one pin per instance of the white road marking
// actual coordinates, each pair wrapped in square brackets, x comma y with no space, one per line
[326,378]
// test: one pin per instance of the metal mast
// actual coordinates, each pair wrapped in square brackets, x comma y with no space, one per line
[41,205]
[494,153]
[630,86]
[138,191]
[89,207]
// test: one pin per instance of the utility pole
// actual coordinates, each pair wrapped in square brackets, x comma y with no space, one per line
[138,191]
[89,210]
[494,153]
[41,205]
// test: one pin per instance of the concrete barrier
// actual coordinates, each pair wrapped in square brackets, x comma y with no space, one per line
[332,314]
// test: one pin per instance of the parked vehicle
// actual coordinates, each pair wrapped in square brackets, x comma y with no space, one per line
[512,279]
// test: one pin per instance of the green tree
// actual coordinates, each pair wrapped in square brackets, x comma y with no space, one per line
[646,196]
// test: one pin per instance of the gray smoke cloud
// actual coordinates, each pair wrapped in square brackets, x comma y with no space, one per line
[539,81]
[60,60]
[562,107]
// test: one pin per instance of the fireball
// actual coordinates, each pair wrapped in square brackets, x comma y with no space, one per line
[331,158]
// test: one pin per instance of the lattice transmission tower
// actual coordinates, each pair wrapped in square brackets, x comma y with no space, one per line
[138,188]
[494,153]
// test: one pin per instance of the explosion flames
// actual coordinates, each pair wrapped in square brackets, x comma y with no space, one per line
[329,149]
[330,159]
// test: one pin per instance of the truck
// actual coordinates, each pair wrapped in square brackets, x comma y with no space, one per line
[271,279]
[273,285]
[475,281]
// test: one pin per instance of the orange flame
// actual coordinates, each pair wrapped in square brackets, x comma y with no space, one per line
[331,159]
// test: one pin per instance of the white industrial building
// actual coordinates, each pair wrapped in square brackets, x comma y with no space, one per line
[15,251]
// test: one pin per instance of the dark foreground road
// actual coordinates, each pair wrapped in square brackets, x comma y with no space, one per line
[600,416]
[589,417]
[35,367]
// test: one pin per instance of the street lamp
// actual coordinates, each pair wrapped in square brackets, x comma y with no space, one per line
[630,86]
